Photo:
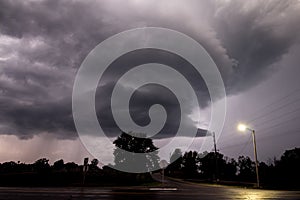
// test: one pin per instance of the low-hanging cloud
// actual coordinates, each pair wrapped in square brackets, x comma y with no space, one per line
[42,44]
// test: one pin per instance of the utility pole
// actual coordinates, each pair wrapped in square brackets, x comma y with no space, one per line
[216,159]
[255,155]
[243,127]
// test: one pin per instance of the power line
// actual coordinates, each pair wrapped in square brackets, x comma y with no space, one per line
[273,103]
[278,100]
[243,149]
[281,133]
[272,119]
[272,111]
[260,139]
[278,117]
[233,145]
[262,131]
[276,125]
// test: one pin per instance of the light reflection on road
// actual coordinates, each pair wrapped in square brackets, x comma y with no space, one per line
[185,191]
[255,194]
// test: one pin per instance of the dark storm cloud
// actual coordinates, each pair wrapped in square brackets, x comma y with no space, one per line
[146,96]
[42,44]
[27,120]
[47,41]
[257,34]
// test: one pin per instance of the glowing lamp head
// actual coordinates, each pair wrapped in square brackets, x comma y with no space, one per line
[242,127]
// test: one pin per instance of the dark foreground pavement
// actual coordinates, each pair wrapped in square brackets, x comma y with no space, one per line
[184,190]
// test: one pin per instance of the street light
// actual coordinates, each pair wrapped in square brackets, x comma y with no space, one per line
[243,128]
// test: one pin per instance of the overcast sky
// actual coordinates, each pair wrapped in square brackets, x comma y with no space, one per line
[254,43]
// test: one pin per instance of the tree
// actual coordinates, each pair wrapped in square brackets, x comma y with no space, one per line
[287,168]
[230,169]
[41,165]
[94,162]
[246,168]
[177,154]
[71,167]
[208,166]
[266,174]
[8,166]
[175,162]
[94,165]
[190,163]
[58,165]
[134,146]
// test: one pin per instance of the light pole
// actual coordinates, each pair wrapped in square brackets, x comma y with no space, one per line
[243,128]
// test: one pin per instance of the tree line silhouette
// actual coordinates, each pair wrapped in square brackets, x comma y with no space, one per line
[281,173]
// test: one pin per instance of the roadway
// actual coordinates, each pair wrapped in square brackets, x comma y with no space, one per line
[185,190]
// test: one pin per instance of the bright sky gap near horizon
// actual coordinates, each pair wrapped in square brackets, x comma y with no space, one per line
[255,45]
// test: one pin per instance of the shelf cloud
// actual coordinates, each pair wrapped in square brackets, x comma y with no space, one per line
[43,43]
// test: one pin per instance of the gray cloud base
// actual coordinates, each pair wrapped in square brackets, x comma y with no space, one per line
[43,43]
